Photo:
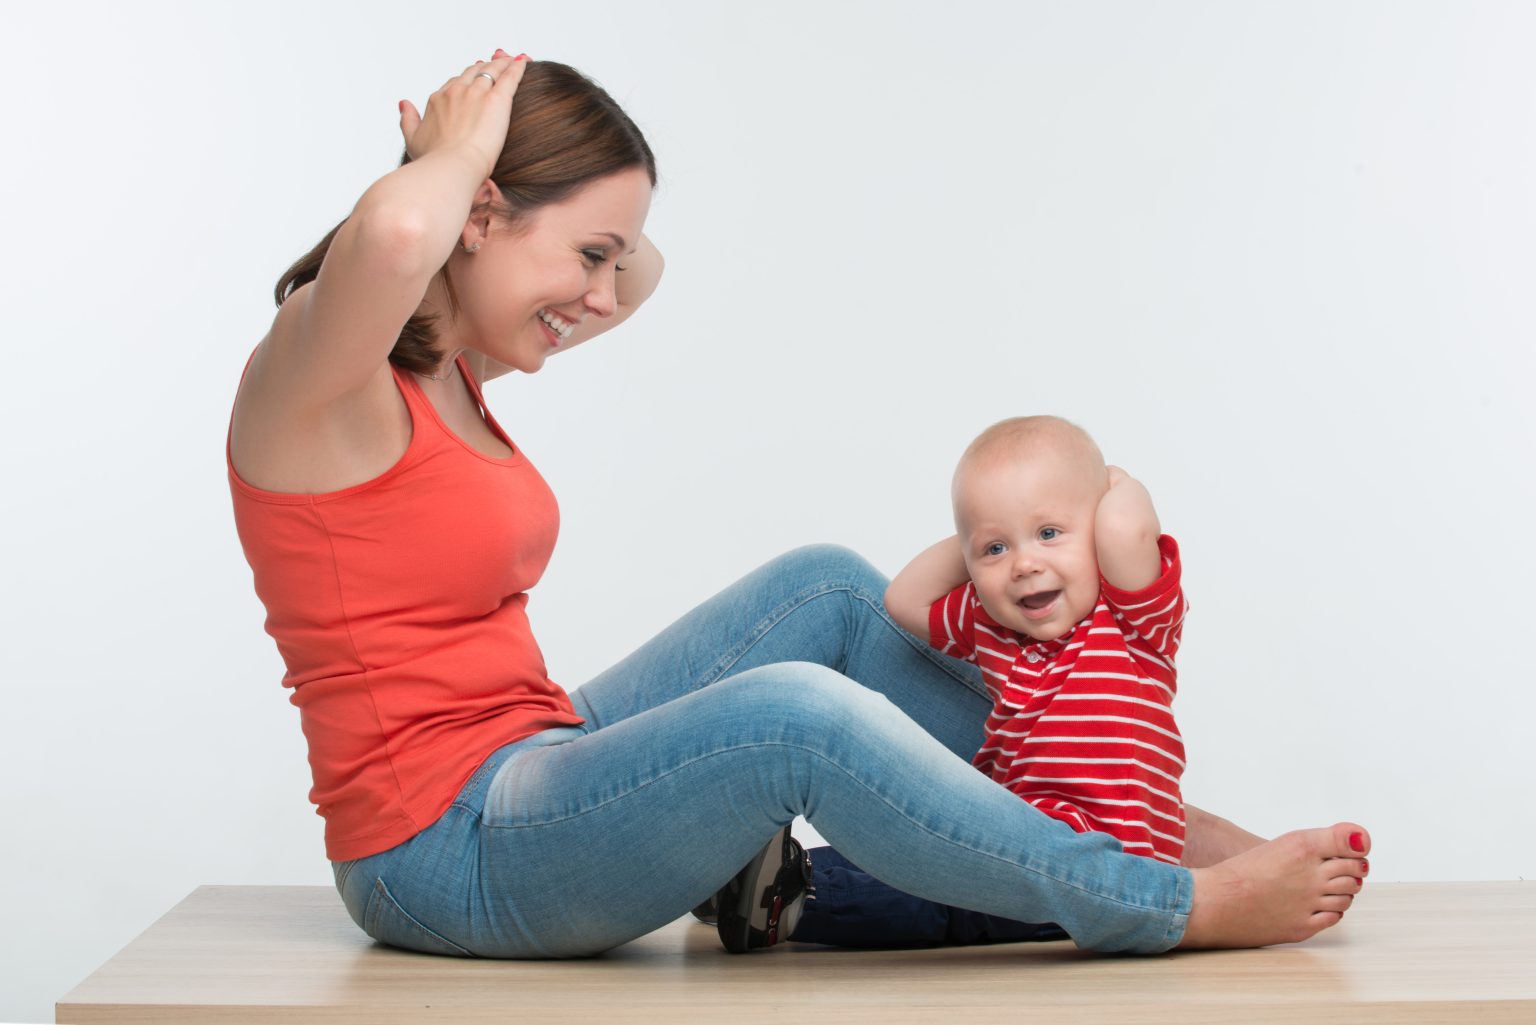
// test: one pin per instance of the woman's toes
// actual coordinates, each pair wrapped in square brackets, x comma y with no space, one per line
[1341,840]
[1344,875]
[1352,839]
[1324,920]
[1338,902]
[1282,891]
[1342,885]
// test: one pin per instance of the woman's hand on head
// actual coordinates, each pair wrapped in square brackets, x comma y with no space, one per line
[468,113]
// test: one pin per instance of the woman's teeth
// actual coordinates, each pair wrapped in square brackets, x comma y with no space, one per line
[557,324]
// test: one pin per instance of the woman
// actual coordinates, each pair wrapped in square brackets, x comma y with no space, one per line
[475,808]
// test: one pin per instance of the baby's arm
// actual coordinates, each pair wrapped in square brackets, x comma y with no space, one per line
[1125,532]
[930,576]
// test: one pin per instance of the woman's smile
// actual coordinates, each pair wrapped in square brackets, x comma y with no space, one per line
[556,327]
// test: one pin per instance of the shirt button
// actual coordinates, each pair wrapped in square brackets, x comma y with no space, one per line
[1033,656]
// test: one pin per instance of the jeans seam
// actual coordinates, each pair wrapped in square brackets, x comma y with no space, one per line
[380,893]
[764,626]
[1178,921]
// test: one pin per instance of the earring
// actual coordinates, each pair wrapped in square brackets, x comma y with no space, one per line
[471,249]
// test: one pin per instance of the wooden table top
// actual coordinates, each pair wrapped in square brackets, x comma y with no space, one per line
[1407,952]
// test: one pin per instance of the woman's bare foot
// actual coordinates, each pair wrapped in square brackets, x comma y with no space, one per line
[1282,891]
[1209,839]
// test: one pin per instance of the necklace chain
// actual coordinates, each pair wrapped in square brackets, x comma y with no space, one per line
[453,362]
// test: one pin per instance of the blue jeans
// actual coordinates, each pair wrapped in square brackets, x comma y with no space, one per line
[791,692]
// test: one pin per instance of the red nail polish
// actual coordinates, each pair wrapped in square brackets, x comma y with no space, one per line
[1356,842]
[1365,866]
[522,57]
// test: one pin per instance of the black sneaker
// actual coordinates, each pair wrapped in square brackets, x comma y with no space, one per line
[761,905]
[709,911]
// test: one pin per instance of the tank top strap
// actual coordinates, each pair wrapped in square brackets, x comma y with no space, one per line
[422,411]
[474,386]
[425,415]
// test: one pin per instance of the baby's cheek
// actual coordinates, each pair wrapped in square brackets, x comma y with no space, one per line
[1082,599]
[997,606]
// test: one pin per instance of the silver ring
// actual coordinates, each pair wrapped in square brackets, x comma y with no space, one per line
[487,74]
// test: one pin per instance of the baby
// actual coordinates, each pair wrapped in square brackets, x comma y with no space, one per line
[1059,585]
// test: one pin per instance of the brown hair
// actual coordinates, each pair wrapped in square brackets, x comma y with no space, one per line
[565,131]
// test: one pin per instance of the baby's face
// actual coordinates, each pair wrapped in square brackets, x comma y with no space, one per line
[1026,527]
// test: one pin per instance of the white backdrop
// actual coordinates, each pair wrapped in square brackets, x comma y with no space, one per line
[1276,257]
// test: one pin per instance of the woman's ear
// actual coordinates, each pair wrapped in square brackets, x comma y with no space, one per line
[478,226]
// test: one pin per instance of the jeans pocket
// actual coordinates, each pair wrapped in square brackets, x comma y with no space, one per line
[386,921]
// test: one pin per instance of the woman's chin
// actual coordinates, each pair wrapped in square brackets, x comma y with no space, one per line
[521,361]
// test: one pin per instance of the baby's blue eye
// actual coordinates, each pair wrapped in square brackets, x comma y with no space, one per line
[996,548]
[1049,533]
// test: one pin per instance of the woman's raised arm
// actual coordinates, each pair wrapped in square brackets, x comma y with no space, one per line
[334,334]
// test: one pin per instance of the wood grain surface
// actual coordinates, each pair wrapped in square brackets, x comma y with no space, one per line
[1407,953]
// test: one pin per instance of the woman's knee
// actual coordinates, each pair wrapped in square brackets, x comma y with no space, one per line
[833,565]
[808,698]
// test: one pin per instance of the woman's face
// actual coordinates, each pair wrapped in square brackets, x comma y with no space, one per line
[520,293]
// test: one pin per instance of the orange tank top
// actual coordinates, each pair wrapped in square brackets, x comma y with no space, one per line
[398,606]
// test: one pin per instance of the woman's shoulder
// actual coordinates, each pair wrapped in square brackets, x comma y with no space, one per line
[280,441]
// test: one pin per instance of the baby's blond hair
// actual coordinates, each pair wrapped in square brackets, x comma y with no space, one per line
[1021,437]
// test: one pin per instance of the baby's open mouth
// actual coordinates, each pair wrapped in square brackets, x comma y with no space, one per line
[1038,600]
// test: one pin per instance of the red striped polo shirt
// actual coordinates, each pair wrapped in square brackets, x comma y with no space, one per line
[1082,726]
